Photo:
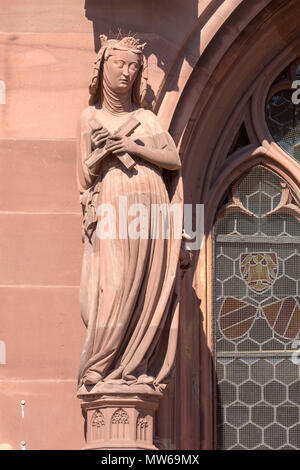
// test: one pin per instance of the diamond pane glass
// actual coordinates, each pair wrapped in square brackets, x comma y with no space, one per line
[257,319]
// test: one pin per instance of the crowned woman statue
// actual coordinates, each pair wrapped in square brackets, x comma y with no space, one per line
[128,294]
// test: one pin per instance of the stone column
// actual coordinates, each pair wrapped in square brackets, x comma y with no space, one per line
[123,421]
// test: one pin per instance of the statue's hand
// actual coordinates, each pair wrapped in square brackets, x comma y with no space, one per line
[99,137]
[117,144]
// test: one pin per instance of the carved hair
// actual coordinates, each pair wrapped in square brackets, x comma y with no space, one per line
[108,46]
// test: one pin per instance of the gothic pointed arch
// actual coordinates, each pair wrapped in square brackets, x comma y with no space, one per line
[226,91]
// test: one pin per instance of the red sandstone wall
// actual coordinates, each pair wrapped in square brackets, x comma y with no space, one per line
[46,52]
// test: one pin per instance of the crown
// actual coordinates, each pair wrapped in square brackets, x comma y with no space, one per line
[123,43]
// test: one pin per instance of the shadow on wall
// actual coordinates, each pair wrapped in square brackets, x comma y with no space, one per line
[164,27]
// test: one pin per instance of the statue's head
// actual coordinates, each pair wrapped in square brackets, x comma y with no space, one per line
[120,63]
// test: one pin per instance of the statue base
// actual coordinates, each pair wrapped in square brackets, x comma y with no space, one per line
[123,421]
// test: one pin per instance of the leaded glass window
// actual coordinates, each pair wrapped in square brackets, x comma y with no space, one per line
[283,118]
[283,112]
[257,315]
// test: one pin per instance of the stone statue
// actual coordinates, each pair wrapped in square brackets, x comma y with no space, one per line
[128,294]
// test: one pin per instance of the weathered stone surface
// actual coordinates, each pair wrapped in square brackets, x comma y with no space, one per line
[31,175]
[42,332]
[40,249]
[46,77]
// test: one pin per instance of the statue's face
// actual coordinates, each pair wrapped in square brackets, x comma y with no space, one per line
[121,70]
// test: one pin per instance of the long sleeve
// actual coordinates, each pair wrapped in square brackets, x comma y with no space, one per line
[85,178]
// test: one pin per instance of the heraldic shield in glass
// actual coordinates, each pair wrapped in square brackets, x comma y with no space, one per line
[257,314]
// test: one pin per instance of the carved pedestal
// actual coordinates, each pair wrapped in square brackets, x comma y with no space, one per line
[123,421]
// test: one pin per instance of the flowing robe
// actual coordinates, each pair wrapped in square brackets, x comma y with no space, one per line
[128,293]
